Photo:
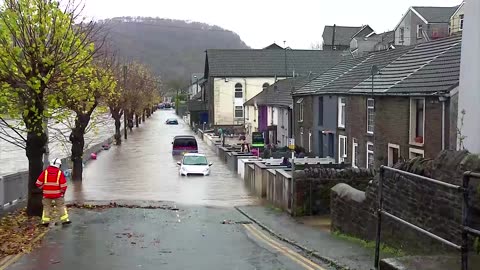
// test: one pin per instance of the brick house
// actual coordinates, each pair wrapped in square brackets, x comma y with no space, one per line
[325,130]
[413,106]
[411,110]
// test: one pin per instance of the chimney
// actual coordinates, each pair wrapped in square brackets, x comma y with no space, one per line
[333,37]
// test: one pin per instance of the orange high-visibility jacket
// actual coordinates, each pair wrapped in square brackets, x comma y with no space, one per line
[53,183]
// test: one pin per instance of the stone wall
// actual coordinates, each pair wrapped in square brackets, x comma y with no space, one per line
[313,187]
[427,205]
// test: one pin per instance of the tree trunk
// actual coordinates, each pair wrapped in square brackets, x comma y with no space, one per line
[35,148]
[143,116]
[77,138]
[130,121]
[34,151]
[136,120]
[117,116]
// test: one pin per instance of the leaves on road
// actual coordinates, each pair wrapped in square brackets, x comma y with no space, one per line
[17,232]
[116,205]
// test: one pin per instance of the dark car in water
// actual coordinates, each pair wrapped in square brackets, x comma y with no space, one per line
[184,144]
[171,121]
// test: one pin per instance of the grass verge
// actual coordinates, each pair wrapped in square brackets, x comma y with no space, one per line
[371,244]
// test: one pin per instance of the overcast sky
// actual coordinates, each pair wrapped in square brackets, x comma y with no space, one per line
[262,22]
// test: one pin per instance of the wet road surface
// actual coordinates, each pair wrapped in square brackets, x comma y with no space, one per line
[190,238]
[189,232]
[143,168]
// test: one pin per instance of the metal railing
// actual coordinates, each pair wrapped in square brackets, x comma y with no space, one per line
[466,230]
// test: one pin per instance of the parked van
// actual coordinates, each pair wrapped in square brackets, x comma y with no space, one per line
[184,144]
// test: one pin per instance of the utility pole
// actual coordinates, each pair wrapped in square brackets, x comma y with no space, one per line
[125,105]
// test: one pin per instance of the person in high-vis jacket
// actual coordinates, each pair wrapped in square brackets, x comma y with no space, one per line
[54,185]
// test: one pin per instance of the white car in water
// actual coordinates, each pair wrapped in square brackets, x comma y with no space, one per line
[194,164]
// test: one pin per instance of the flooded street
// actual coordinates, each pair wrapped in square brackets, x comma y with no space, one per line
[143,168]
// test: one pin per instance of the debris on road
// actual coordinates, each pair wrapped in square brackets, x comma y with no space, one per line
[19,233]
[110,205]
[235,222]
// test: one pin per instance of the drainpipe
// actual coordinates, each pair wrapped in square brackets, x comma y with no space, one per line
[443,100]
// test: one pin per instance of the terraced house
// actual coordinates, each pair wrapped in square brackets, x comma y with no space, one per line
[235,76]
[385,106]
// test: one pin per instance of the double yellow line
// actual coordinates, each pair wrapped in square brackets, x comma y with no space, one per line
[11,259]
[287,252]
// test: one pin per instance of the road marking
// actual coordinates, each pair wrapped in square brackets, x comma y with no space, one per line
[306,263]
[9,260]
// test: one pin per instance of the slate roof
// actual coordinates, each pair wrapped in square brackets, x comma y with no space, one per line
[429,68]
[343,34]
[268,63]
[436,14]
[349,73]
[279,93]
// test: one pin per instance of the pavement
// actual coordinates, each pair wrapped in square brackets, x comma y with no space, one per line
[346,254]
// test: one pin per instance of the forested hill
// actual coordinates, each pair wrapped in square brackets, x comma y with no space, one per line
[173,48]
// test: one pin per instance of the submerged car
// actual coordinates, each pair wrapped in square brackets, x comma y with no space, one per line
[194,164]
[171,121]
[184,144]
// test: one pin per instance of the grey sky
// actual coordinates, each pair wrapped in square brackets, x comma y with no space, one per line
[261,22]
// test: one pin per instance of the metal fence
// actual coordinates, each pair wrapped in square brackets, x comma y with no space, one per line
[463,190]
[14,187]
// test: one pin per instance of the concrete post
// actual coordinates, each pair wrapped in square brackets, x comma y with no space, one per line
[469,94]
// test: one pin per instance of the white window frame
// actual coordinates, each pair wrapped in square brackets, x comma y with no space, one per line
[342,106]
[416,151]
[461,21]
[300,109]
[419,31]
[342,157]
[390,154]
[235,112]
[413,121]
[402,34]
[371,108]
[369,152]
[354,155]
[236,90]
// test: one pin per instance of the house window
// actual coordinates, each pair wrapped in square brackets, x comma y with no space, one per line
[402,34]
[341,112]
[342,148]
[370,115]
[238,111]
[310,141]
[419,31]
[370,156]
[238,90]
[247,112]
[461,22]
[265,86]
[300,109]
[414,153]
[417,121]
[393,154]
[301,136]
[320,111]
[354,153]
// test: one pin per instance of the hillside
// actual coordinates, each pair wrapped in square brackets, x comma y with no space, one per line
[173,48]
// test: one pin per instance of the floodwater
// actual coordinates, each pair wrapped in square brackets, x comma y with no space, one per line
[13,158]
[143,168]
